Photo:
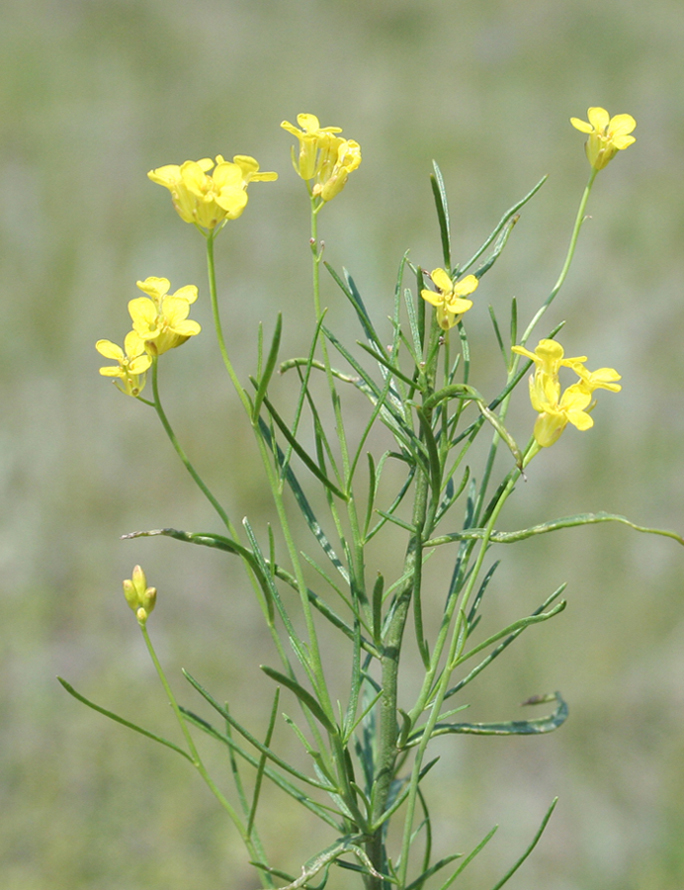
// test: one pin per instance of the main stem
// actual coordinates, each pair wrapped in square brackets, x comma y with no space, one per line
[388,731]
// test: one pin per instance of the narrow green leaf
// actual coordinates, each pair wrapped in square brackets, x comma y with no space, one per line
[413,321]
[498,247]
[390,413]
[500,648]
[535,726]
[268,370]
[306,698]
[303,504]
[396,521]
[115,717]
[418,883]
[439,193]
[389,513]
[300,452]
[385,362]
[516,625]
[253,740]
[262,762]
[501,225]
[278,780]
[514,321]
[498,425]
[373,481]
[348,288]
[543,528]
[435,465]
[504,352]
[531,847]
[469,858]
[377,608]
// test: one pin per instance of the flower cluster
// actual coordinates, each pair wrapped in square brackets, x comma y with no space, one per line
[160,322]
[449,301]
[210,199]
[324,157]
[139,596]
[556,410]
[607,135]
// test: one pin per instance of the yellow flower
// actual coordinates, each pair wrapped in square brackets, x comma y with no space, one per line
[139,596]
[208,200]
[133,362]
[348,159]
[157,289]
[161,319]
[607,135]
[573,406]
[323,155]
[604,378]
[555,413]
[549,357]
[312,139]
[450,302]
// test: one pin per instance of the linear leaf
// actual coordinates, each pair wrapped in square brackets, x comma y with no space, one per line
[439,193]
[536,726]
[305,697]
[301,453]
[502,223]
[541,529]
[262,385]
[271,774]
[115,717]
[283,764]
[531,847]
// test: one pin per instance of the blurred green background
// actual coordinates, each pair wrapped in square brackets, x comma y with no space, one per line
[93,94]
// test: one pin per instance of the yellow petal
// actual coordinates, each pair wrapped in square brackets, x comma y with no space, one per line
[621,142]
[154,287]
[580,125]
[110,350]
[457,305]
[466,286]
[308,122]
[442,280]
[189,293]
[598,118]
[431,297]
[621,124]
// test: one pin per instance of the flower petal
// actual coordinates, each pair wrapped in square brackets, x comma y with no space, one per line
[598,118]
[580,125]
[110,350]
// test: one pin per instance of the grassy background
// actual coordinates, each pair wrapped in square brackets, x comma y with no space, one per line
[95,93]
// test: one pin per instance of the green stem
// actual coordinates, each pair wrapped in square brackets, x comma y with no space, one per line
[199,765]
[315,666]
[211,270]
[387,752]
[579,219]
[458,639]
[183,456]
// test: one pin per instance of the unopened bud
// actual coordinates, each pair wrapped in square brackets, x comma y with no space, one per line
[139,596]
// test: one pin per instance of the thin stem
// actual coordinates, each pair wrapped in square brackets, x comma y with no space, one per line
[458,639]
[211,270]
[315,666]
[198,763]
[579,219]
[181,453]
